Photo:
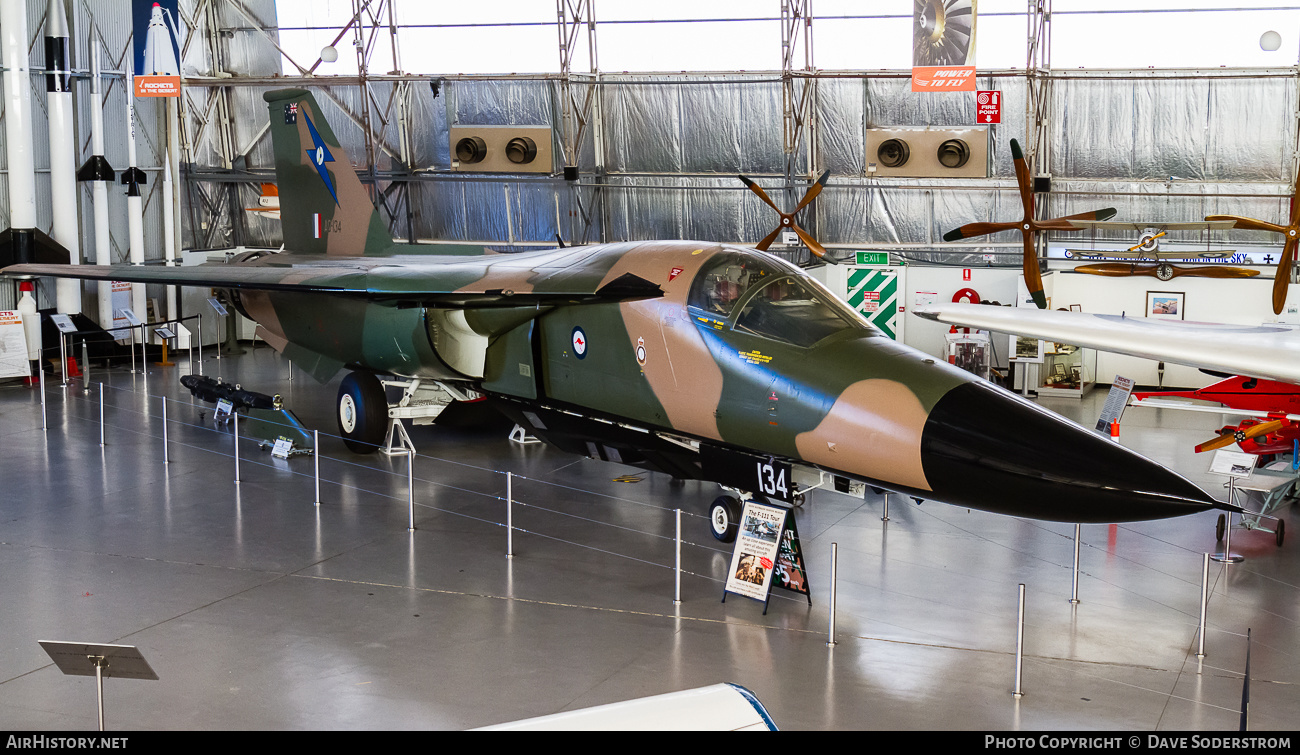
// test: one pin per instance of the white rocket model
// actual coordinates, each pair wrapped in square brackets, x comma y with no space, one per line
[97,170]
[31,320]
[63,151]
[132,177]
[18,127]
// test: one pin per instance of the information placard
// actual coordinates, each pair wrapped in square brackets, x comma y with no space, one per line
[755,555]
[790,572]
[1116,400]
[63,323]
[13,346]
[282,448]
[217,306]
[1235,464]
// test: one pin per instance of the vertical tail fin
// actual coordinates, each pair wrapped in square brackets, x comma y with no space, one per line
[324,209]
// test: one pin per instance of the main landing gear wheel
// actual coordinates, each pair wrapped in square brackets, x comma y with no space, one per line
[1220,528]
[724,518]
[362,412]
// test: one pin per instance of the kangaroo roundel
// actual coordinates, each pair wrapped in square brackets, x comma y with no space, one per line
[579,343]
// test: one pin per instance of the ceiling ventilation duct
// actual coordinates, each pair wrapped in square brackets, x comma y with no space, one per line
[501,149]
[924,152]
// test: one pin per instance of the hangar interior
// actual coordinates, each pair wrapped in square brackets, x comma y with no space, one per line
[260,610]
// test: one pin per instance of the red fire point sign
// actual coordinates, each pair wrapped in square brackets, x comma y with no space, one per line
[988,107]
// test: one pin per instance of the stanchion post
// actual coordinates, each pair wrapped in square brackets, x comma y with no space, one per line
[234,418]
[63,356]
[410,487]
[164,403]
[44,423]
[101,415]
[830,636]
[315,444]
[1205,599]
[677,589]
[85,367]
[1020,642]
[144,357]
[510,523]
[885,516]
[200,329]
[1074,585]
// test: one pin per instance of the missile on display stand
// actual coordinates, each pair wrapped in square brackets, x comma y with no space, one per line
[132,177]
[21,172]
[97,170]
[160,77]
[66,229]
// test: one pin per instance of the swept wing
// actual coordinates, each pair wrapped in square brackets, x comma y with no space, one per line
[545,277]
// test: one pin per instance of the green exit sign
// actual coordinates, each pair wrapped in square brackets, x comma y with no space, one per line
[873,258]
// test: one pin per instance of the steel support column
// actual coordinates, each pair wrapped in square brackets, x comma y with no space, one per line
[1038,103]
[798,93]
[572,18]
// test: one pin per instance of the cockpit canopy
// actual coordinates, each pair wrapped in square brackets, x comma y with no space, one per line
[764,297]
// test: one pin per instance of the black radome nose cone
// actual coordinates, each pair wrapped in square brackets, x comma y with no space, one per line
[988,449]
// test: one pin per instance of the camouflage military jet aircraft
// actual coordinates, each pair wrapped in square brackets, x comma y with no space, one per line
[700,360]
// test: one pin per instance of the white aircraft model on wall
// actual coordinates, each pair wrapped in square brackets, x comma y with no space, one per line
[1262,351]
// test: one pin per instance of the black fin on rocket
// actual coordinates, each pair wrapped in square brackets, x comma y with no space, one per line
[19,246]
[96,168]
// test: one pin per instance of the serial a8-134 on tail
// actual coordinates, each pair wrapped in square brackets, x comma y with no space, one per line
[700,360]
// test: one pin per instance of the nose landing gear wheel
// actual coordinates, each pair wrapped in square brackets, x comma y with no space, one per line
[362,412]
[1220,527]
[724,518]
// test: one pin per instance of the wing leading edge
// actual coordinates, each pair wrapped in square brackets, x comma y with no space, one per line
[454,283]
[1265,351]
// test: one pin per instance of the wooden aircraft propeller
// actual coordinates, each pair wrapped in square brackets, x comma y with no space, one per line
[787,218]
[1229,437]
[1282,277]
[1164,271]
[1028,226]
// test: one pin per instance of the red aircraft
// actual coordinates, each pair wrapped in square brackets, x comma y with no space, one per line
[1272,430]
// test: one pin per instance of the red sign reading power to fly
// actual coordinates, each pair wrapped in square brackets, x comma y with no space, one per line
[988,107]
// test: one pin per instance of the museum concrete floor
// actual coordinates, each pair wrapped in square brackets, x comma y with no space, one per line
[259,610]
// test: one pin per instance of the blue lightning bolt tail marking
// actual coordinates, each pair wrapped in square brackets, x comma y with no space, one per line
[319,154]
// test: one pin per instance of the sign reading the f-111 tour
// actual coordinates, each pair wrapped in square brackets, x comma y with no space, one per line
[767,555]
[754,558]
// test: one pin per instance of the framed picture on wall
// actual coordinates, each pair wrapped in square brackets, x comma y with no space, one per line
[1166,305]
